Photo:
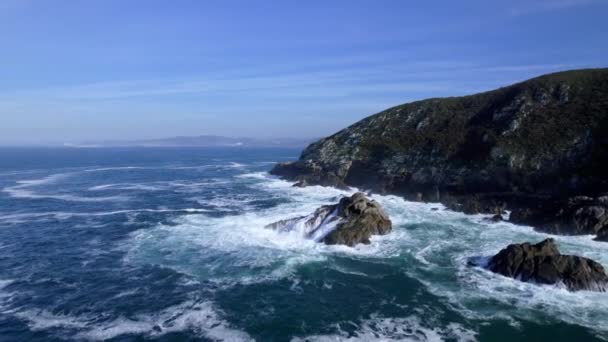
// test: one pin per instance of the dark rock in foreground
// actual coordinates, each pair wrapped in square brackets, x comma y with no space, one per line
[542,263]
[531,145]
[353,220]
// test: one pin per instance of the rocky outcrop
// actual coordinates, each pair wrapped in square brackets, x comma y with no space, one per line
[351,221]
[574,216]
[602,235]
[533,144]
[542,263]
[308,172]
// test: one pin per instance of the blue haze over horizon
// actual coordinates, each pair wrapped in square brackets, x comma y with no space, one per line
[95,70]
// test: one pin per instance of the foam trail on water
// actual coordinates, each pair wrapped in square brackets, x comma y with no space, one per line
[395,329]
[23,190]
[236,165]
[127,186]
[118,168]
[5,282]
[199,317]
[62,215]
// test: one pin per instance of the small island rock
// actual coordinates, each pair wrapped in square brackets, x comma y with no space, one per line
[351,221]
[542,263]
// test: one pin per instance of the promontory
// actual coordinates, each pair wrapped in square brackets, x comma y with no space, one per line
[538,148]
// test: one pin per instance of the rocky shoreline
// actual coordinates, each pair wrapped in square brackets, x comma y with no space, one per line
[537,148]
[355,219]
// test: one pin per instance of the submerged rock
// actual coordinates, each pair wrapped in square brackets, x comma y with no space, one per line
[542,263]
[351,221]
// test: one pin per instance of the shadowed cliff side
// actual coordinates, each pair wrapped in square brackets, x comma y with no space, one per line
[529,147]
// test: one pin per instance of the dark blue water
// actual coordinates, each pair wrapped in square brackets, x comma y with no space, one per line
[168,244]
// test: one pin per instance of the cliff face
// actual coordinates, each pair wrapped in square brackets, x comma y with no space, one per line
[543,138]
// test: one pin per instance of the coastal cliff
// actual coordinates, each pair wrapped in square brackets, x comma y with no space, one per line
[530,147]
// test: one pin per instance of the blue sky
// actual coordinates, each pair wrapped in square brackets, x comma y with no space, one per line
[89,70]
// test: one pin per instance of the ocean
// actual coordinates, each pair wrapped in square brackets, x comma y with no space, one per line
[169,244]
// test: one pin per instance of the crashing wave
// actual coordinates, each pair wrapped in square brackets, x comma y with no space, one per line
[351,221]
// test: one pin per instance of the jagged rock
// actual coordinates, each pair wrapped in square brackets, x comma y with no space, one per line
[602,235]
[353,220]
[475,205]
[542,263]
[300,184]
[542,140]
[574,216]
[314,173]
[494,219]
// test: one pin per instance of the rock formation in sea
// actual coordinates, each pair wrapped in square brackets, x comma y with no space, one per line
[351,221]
[533,147]
[575,215]
[542,263]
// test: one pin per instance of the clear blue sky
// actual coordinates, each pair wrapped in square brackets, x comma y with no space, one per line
[87,70]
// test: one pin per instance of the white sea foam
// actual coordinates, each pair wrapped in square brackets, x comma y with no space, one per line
[23,190]
[119,168]
[224,165]
[256,175]
[394,329]
[223,202]
[223,250]
[6,296]
[315,226]
[22,172]
[167,167]
[199,317]
[5,282]
[128,186]
[194,167]
[445,241]
[236,165]
[62,215]
[238,249]
[176,185]
[265,163]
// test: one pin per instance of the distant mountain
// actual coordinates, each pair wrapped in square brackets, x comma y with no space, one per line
[199,141]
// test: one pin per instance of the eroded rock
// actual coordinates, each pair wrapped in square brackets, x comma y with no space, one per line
[351,221]
[542,263]
[602,235]
[575,216]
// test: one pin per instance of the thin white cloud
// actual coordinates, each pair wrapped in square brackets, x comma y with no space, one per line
[319,83]
[345,94]
[426,77]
